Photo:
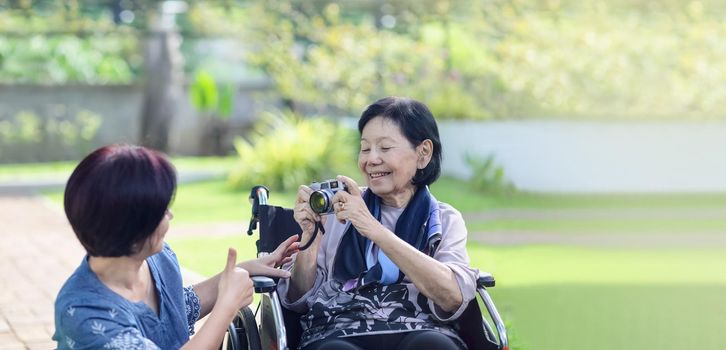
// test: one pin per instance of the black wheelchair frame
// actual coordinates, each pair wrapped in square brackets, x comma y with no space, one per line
[272,326]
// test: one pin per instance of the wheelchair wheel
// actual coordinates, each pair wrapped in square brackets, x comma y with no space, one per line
[242,333]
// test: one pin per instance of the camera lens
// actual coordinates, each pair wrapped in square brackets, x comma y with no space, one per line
[319,202]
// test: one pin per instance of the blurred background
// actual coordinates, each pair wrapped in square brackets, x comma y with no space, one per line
[581,138]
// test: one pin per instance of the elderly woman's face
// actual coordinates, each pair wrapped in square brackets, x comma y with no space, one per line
[387,159]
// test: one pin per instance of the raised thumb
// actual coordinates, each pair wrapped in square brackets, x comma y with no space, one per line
[231,259]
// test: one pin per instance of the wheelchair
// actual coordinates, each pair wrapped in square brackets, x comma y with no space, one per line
[271,326]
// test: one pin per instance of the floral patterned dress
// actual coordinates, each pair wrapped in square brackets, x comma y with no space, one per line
[330,310]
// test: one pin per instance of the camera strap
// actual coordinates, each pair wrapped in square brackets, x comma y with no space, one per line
[318,228]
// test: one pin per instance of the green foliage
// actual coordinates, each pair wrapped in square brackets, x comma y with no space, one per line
[286,151]
[206,96]
[40,140]
[488,177]
[322,60]
[499,59]
[65,59]
[226,101]
[484,59]
[60,42]
[203,92]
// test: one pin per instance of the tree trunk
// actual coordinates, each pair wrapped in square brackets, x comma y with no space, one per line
[164,90]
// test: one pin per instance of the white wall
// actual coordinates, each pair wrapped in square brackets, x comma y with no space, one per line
[563,156]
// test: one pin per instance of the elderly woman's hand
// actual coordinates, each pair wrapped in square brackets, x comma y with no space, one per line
[350,206]
[268,265]
[304,215]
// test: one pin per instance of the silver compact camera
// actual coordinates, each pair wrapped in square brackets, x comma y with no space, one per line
[321,200]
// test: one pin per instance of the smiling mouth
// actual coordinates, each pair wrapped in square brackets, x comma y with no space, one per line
[377,175]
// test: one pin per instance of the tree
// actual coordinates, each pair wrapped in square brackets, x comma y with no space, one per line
[164,77]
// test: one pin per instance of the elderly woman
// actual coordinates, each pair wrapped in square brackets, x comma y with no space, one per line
[127,292]
[391,270]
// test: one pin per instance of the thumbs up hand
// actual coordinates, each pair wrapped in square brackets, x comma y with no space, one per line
[235,286]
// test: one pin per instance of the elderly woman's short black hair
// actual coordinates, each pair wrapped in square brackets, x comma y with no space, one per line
[117,196]
[417,124]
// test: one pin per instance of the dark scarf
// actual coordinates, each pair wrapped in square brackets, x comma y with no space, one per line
[419,225]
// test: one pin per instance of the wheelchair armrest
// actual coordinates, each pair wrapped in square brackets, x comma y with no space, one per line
[263,284]
[485,280]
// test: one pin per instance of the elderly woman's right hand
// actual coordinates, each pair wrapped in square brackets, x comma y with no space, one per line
[304,215]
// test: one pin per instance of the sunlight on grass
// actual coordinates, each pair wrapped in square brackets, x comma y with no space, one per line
[522,265]
[207,256]
[29,171]
[555,297]
[569,316]
[214,201]
[459,194]
[533,265]
[580,298]
[604,226]
[575,298]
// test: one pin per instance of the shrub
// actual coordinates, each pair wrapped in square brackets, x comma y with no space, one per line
[285,151]
[487,176]
[29,137]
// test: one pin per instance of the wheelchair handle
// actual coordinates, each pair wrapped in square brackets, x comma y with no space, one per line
[263,284]
[258,196]
[485,280]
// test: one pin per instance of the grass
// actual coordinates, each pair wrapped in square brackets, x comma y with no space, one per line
[459,194]
[207,256]
[36,170]
[603,226]
[214,200]
[534,265]
[578,298]
[555,297]
[569,316]
[575,298]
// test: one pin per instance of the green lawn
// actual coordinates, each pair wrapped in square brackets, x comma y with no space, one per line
[214,201]
[554,297]
[575,298]
[602,226]
[578,298]
[211,201]
[459,194]
[36,170]
[207,256]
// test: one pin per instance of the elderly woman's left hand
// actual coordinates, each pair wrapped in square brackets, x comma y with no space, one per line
[350,206]
[267,265]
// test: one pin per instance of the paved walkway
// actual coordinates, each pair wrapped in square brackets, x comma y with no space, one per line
[38,251]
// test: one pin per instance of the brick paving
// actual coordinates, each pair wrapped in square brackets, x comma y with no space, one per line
[38,251]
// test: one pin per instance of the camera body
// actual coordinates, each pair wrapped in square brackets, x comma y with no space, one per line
[321,200]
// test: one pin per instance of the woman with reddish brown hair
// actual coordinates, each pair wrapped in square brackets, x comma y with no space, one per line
[127,292]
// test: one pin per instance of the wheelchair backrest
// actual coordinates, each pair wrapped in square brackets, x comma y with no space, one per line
[276,224]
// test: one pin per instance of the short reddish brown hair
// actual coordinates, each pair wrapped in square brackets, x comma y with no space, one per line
[117,196]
